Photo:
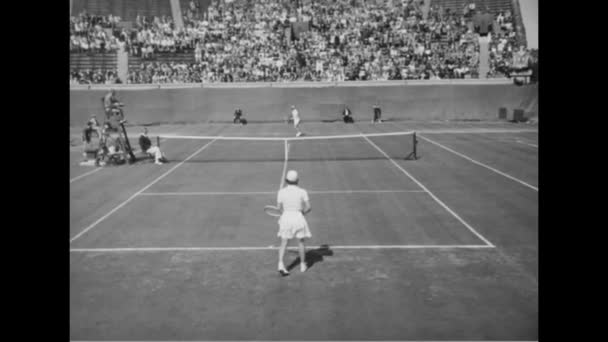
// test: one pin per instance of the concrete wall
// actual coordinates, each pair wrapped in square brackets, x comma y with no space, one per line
[261,102]
[529,14]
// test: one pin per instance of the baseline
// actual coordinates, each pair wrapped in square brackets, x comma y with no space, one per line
[85,174]
[196,249]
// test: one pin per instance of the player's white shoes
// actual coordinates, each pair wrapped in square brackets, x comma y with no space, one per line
[284,272]
[303,267]
[298,134]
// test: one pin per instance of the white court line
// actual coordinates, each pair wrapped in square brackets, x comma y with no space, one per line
[139,192]
[360,191]
[525,143]
[196,249]
[85,174]
[514,140]
[475,131]
[272,192]
[312,137]
[480,163]
[284,164]
[431,194]
[211,193]
[92,171]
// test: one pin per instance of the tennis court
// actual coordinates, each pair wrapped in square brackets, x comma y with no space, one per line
[441,247]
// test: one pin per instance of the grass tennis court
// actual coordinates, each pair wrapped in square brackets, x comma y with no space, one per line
[443,247]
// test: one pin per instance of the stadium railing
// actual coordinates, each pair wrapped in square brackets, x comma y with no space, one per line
[289,84]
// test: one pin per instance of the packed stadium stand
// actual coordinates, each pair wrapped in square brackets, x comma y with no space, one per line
[163,57]
[160,67]
[80,61]
[458,6]
[126,9]
[282,41]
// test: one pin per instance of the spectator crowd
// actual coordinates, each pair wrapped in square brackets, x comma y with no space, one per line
[333,40]
[95,33]
[507,53]
[95,76]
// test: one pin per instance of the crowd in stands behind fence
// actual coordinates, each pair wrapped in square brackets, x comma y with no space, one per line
[282,41]
[96,76]
[503,44]
[95,33]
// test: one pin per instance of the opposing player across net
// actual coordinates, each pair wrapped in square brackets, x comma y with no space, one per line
[396,145]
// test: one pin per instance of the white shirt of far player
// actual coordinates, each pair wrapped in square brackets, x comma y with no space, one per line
[292,198]
[295,115]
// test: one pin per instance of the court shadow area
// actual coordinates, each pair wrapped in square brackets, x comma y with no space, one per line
[313,256]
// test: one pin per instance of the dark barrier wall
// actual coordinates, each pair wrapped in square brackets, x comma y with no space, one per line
[271,103]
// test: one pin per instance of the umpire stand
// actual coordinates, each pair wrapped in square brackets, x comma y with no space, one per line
[116,122]
[127,143]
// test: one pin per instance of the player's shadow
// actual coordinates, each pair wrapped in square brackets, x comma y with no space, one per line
[313,256]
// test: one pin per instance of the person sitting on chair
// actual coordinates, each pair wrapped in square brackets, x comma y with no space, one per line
[347,115]
[111,148]
[237,117]
[93,121]
[90,146]
[146,146]
[108,149]
[95,124]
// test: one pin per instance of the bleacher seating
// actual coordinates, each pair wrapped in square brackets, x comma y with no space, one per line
[90,61]
[126,9]
[496,6]
[448,60]
[457,6]
[162,57]
[185,4]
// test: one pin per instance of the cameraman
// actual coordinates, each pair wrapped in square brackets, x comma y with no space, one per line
[347,115]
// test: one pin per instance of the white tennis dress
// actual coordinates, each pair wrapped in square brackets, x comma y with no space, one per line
[296,116]
[292,222]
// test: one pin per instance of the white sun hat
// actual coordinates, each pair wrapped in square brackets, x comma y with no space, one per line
[292,176]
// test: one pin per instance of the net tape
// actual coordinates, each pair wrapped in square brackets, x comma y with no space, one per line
[320,137]
[394,145]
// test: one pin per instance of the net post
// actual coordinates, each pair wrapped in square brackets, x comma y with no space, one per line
[158,141]
[415,148]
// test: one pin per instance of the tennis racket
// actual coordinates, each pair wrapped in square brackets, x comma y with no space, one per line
[272,210]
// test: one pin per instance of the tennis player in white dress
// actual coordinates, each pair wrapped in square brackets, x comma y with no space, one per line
[295,115]
[294,204]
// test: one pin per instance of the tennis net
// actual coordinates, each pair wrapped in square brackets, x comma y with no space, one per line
[393,145]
